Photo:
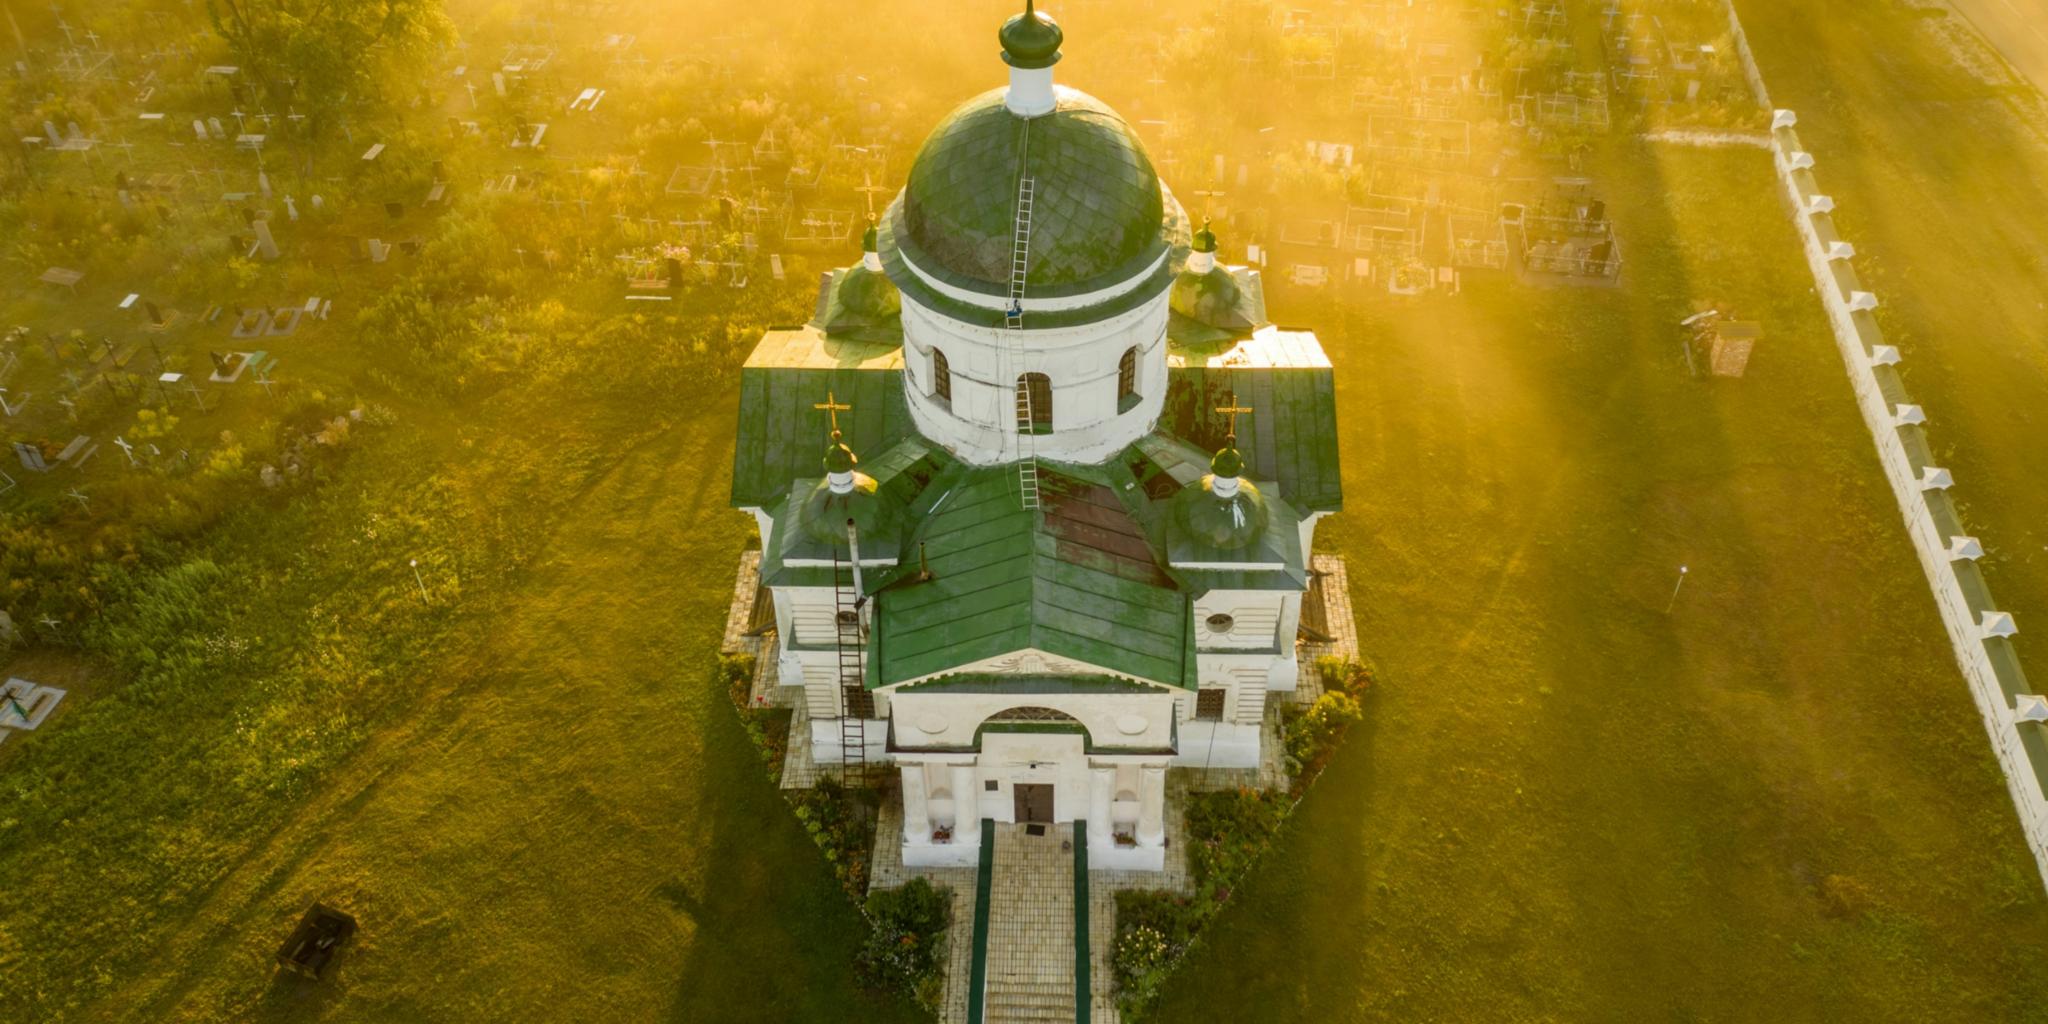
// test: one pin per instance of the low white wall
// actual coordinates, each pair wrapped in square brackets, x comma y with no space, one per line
[1978,631]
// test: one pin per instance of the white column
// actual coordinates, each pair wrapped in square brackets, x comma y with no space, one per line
[1100,782]
[1152,806]
[917,822]
[966,807]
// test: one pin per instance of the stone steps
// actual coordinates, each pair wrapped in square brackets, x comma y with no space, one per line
[1028,1001]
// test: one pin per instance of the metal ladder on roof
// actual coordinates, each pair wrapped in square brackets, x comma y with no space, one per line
[1020,254]
[1020,261]
[855,703]
[1027,455]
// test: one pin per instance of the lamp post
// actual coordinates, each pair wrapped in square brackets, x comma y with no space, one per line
[1668,605]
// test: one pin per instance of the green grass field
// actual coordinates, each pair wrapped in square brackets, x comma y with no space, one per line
[1775,803]
[1564,805]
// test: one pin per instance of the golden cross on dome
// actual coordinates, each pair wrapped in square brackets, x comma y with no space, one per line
[1233,410]
[833,408]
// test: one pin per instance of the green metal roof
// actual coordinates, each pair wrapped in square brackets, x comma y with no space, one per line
[861,305]
[781,435]
[1076,578]
[1220,305]
[1098,212]
[1290,437]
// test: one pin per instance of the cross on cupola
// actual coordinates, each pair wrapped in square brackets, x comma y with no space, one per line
[1233,410]
[839,459]
[1228,465]
[832,407]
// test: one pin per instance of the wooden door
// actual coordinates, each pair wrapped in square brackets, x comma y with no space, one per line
[1034,803]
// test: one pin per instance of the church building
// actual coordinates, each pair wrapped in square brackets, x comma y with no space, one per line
[1038,484]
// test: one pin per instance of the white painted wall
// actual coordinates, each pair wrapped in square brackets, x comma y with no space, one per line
[979,424]
[943,718]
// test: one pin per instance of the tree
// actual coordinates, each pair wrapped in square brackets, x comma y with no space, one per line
[317,56]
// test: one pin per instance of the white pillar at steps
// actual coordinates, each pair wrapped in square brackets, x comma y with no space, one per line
[966,807]
[1100,782]
[917,822]
[1152,806]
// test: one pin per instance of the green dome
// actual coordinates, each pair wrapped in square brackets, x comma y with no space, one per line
[1212,299]
[1228,524]
[839,458]
[869,294]
[825,513]
[1205,239]
[1228,464]
[1099,216]
[1031,39]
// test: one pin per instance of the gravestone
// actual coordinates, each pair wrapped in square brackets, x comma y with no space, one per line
[291,209]
[199,129]
[218,131]
[31,457]
[265,245]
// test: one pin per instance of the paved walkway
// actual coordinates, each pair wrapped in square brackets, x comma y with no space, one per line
[1031,927]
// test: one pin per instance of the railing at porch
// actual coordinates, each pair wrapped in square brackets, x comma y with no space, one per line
[977,975]
[1083,996]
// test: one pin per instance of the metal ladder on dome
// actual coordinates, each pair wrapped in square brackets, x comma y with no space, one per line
[854,700]
[1020,261]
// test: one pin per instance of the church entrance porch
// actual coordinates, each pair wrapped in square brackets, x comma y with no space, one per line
[1033,778]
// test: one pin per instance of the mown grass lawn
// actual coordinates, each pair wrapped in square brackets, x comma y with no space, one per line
[1775,803]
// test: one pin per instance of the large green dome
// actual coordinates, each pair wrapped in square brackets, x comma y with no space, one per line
[1098,214]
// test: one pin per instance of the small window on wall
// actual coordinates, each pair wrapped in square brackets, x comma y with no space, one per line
[1220,623]
[942,379]
[1034,404]
[1127,380]
[1209,705]
[991,785]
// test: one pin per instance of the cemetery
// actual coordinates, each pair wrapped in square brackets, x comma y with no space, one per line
[418,599]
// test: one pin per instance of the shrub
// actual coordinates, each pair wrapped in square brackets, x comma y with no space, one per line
[1313,735]
[904,948]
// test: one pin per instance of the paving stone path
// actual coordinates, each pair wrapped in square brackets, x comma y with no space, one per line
[1031,927]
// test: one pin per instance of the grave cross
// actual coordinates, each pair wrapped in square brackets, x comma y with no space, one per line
[833,407]
[128,449]
[869,188]
[1233,410]
[82,504]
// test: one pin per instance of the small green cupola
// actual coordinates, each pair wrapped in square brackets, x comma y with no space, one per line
[870,248]
[846,494]
[1225,511]
[1031,40]
[839,460]
[861,303]
[1205,239]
